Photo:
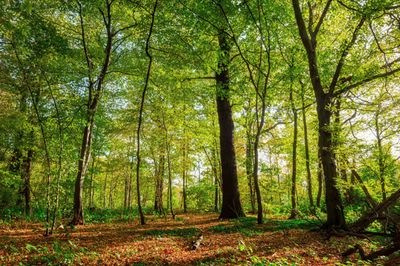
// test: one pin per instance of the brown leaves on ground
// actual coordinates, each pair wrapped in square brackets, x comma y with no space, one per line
[165,241]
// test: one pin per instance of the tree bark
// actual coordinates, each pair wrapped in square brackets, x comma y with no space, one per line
[158,202]
[146,84]
[307,155]
[26,175]
[293,213]
[231,205]
[95,89]
[381,164]
[249,172]
[335,214]
[320,182]
[184,175]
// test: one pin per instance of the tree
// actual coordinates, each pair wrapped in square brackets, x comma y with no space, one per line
[325,95]
[95,90]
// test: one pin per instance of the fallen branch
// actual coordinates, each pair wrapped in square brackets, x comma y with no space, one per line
[382,252]
[374,213]
[197,243]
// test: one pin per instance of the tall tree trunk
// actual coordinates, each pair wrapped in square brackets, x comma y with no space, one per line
[249,172]
[171,206]
[335,213]
[146,84]
[105,190]
[26,175]
[95,89]
[158,202]
[82,168]
[307,155]
[184,175]
[91,187]
[334,207]
[231,205]
[216,194]
[293,213]
[320,182]
[381,164]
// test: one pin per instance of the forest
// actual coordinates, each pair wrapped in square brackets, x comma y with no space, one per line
[200,132]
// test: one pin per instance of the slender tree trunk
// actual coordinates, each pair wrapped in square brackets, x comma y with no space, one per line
[293,213]
[249,173]
[231,205]
[82,168]
[255,178]
[216,194]
[105,190]
[381,164]
[184,176]
[146,84]
[171,207]
[95,89]
[91,187]
[158,202]
[307,155]
[60,158]
[26,172]
[320,182]
[130,178]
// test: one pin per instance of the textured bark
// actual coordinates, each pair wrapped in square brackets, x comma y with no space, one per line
[231,205]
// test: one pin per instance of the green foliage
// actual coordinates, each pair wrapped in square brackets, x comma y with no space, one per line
[60,253]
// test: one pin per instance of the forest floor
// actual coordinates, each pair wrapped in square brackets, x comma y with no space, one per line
[165,241]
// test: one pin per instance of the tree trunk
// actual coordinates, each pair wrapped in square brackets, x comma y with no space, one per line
[231,205]
[105,190]
[95,89]
[82,167]
[26,176]
[307,155]
[171,207]
[367,218]
[184,176]
[158,202]
[320,182]
[91,188]
[381,164]
[293,213]
[335,214]
[334,207]
[146,84]
[249,172]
